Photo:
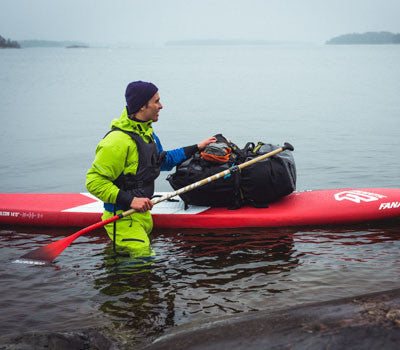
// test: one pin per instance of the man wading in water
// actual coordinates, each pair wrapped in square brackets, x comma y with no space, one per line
[127,162]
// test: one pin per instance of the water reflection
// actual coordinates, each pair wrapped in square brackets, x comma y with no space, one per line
[46,297]
[196,274]
[130,296]
[209,273]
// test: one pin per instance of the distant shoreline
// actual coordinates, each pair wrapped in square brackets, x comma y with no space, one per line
[77,47]
[8,44]
[49,43]
[368,38]
[220,42]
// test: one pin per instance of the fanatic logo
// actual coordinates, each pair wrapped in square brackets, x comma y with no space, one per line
[358,196]
[393,205]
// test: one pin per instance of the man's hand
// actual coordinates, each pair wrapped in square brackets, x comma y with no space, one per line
[141,204]
[201,145]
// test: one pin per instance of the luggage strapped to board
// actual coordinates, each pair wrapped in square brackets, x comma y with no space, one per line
[258,184]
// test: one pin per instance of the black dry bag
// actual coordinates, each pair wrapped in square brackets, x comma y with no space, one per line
[223,192]
[269,179]
[259,184]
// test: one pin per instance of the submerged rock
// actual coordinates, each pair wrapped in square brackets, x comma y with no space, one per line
[365,322]
[74,340]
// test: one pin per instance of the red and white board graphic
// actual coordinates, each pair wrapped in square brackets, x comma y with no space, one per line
[318,207]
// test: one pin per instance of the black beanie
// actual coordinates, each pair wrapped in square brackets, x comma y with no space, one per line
[137,94]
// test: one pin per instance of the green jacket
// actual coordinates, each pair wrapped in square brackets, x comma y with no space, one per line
[116,153]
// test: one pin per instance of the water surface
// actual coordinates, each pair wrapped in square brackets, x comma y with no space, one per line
[195,275]
[338,106]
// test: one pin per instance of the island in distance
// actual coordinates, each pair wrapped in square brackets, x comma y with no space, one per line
[368,38]
[49,43]
[220,42]
[77,47]
[40,43]
[8,44]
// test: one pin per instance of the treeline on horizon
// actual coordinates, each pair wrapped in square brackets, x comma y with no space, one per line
[368,38]
[7,43]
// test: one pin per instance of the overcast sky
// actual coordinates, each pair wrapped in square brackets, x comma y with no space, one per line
[157,21]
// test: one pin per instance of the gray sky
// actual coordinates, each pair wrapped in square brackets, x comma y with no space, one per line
[157,21]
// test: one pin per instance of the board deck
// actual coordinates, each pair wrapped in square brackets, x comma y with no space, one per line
[317,207]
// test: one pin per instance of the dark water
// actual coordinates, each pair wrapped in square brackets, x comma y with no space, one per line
[195,275]
[338,106]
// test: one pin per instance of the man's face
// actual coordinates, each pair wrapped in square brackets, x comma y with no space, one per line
[152,108]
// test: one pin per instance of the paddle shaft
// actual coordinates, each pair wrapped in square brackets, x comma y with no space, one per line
[49,252]
[211,178]
[197,184]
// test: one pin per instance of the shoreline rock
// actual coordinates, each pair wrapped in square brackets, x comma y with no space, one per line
[369,321]
[86,339]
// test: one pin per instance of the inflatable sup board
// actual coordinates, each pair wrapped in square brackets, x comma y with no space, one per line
[317,207]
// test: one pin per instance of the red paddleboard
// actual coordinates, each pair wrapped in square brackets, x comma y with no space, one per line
[318,207]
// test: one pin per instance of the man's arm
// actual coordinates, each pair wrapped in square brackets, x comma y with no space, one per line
[175,156]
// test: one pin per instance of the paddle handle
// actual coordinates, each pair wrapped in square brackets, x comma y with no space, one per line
[286,146]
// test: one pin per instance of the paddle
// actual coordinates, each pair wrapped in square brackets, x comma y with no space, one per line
[49,252]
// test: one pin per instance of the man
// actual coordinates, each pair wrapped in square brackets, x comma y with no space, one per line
[127,162]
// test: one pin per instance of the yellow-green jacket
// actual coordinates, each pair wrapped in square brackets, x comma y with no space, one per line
[117,154]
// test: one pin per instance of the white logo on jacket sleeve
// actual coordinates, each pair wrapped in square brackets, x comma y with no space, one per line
[357,196]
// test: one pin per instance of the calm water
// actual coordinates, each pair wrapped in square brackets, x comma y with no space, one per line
[339,107]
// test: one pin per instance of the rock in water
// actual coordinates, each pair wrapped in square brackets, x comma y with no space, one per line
[364,322]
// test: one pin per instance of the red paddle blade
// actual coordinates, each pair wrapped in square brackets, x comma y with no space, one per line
[49,252]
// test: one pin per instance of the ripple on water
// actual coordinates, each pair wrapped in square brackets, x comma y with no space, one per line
[196,274]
